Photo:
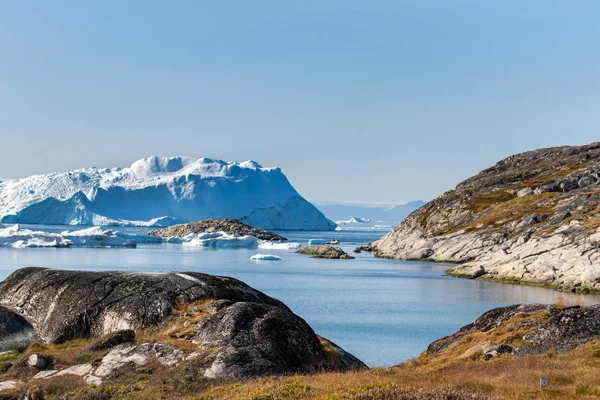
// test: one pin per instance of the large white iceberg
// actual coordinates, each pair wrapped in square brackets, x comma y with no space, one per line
[161,191]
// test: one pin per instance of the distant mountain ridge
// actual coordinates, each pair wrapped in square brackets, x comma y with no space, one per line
[161,191]
[374,212]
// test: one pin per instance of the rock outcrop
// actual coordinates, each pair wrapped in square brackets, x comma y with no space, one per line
[525,329]
[254,339]
[16,332]
[532,218]
[73,304]
[233,329]
[325,251]
[229,226]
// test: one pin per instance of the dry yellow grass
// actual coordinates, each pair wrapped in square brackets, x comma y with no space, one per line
[178,329]
[459,372]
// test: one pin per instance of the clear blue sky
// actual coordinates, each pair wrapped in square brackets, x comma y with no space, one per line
[356,100]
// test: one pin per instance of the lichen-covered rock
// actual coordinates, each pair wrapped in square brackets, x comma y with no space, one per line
[16,332]
[71,304]
[325,251]
[532,218]
[229,226]
[533,328]
[254,339]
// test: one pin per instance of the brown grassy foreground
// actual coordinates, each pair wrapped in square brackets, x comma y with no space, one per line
[455,373]
[572,375]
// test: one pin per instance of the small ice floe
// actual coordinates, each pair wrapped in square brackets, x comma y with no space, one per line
[265,257]
[222,240]
[278,245]
[99,237]
[175,239]
[316,242]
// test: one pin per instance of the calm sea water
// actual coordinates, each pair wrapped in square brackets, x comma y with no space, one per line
[382,311]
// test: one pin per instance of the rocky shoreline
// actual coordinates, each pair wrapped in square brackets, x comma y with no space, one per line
[533,218]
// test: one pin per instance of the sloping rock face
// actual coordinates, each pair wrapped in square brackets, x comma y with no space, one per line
[16,332]
[325,251]
[73,304]
[237,331]
[532,218]
[229,226]
[532,329]
[254,339]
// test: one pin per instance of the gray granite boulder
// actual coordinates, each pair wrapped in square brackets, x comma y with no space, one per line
[16,332]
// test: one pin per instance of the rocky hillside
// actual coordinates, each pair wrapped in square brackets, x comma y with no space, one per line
[229,226]
[532,218]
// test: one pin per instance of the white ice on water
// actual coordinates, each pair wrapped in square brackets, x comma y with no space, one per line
[279,245]
[265,257]
[17,237]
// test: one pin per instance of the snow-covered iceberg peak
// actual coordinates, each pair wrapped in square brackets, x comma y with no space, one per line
[161,191]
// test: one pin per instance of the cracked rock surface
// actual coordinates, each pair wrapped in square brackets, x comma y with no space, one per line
[72,304]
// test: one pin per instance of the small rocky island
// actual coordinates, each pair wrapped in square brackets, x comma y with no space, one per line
[94,327]
[325,251]
[532,218]
[229,226]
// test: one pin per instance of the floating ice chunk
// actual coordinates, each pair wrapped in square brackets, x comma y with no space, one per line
[315,242]
[279,246]
[98,237]
[175,239]
[265,257]
[139,238]
[222,240]
[16,237]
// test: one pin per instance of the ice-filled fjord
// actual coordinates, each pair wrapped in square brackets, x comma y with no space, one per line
[161,191]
